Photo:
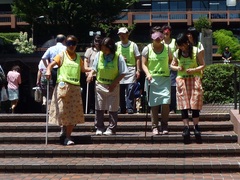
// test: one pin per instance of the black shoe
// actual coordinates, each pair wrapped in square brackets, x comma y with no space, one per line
[197,131]
[186,132]
[91,111]
[130,111]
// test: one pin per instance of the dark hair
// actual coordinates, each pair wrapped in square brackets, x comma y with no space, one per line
[194,33]
[166,27]
[60,38]
[72,37]
[97,39]
[183,39]
[156,29]
[109,43]
[16,68]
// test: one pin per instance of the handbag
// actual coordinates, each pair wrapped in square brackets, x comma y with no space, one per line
[4,95]
[37,94]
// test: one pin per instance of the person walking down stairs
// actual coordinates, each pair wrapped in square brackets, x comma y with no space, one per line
[189,66]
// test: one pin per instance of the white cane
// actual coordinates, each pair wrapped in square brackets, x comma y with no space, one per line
[47,114]
[86,108]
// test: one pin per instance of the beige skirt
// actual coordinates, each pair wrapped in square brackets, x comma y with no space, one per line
[66,109]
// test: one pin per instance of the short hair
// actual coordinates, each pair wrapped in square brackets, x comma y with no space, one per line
[167,27]
[156,29]
[16,68]
[74,38]
[109,43]
[60,38]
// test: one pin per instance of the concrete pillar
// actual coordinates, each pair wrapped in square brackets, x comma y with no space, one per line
[206,40]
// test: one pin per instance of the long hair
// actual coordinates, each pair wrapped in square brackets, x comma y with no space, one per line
[194,33]
[183,39]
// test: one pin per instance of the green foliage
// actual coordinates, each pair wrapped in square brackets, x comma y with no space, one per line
[23,45]
[225,38]
[71,16]
[6,42]
[202,23]
[218,83]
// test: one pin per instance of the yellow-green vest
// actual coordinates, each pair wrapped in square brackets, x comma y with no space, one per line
[106,74]
[158,63]
[127,52]
[70,70]
[187,63]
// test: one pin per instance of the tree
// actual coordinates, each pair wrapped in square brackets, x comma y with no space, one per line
[202,23]
[225,38]
[71,16]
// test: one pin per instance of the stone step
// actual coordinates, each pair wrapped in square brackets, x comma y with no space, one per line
[120,137]
[122,176]
[128,126]
[120,165]
[121,117]
[121,150]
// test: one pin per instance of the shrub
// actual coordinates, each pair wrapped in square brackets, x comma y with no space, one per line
[218,83]
[225,38]
[23,45]
[202,23]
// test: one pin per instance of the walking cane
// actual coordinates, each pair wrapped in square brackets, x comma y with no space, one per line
[147,109]
[47,114]
[86,108]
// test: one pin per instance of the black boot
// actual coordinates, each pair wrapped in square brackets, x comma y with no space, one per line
[186,132]
[197,130]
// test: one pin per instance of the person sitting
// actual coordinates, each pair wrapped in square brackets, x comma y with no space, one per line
[226,55]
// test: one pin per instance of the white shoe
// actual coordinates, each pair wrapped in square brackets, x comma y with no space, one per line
[108,132]
[155,131]
[99,132]
[68,142]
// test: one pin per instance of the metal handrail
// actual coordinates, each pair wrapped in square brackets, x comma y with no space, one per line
[236,86]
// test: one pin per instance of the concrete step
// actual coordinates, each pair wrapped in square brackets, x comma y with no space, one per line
[121,150]
[122,176]
[123,126]
[121,117]
[120,137]
[120,165]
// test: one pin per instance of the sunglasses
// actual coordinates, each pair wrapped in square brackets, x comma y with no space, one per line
[71,43]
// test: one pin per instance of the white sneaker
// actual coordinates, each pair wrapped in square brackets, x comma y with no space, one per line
[68,142]
[155,131]
[99,132]
[108,132]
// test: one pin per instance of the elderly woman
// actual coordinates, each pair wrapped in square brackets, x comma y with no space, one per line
[156,58]
[110,68]
[66,106]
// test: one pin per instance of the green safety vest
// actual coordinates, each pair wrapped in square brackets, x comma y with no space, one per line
[106,74]
[158,63]
[127,52]
[188,63]
[70,70]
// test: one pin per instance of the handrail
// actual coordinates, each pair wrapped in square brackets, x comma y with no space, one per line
[133,17]
[236,78]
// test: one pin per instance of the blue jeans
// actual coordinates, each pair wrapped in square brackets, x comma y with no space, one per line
[126,97]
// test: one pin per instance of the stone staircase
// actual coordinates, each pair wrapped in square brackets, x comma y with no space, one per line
[23,149]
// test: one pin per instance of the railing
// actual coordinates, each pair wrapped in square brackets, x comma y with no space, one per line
[179,17]
[237,86]
[150,17]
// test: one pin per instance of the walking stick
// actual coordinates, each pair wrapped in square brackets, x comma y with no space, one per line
[86,108]
[147,109]
[47,113]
